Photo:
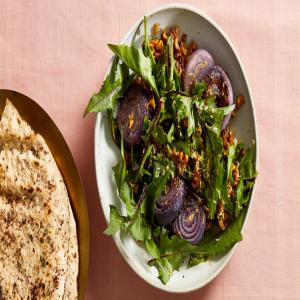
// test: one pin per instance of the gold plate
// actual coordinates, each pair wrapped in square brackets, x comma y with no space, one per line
[40,121]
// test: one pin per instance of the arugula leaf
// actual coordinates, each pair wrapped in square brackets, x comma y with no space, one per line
[140,230]
[145,156]
[218,244]
[239,198]
[152,248]
[171,255]
[183,106]
[125,191]
[181,145]
[116,221]
[178,84]
[135,59]
[215,188]
[247,164]
[170,135]
[146,46]
[162,165]
[171,86]
[113,88]
[159,135]
[199,88]
[230,156]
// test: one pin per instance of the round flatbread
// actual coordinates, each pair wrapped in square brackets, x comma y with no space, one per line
[39,248]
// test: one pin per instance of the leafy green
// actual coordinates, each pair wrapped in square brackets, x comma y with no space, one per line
[230,157]
[171,255]
[159,135]
[239,198]
[171,85]
[125,191]
[160,73]
[214,189]
[199,88]
[145,156]
[116,221]
[139,229]
[146,46]
[135,59]
[247,164]
[113,88]
[218,243]
[183,106]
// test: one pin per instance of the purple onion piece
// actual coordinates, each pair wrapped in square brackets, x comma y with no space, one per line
[190,224]
[133,109]
[218,84]
[168,205]
[197,66]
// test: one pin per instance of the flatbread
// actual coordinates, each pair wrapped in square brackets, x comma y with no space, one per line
[38,248]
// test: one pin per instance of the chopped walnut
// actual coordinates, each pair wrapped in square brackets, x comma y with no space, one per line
[222,216]
[235,174]
[157,47]
[156,28]
[182,50]
[230,190]
[240,100]
[196,180]
[228,138]
[152,103]
[180,159]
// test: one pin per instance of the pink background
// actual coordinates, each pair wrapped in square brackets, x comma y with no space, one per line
[55,52]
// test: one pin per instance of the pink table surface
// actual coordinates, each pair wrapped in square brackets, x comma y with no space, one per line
[55,52]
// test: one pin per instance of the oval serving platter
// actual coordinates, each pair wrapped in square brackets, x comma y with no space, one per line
[207,34]
[41,122]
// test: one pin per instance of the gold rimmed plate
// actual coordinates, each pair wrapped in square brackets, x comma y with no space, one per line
[41,123]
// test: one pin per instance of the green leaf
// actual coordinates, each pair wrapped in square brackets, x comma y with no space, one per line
[152,248]
[135,59]
[146,46]
[170,135]
[247,164]
[159,135]
[230,156]
[125,191]
[139,228]
[141,167]
[171,85]
[199,88]
[161,166]
[171,255]
[218,244]
[113,88]
[239,198]
[116,221]
[182,146]
[183,108]
[215,189]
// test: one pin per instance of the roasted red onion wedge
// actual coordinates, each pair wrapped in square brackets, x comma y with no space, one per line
[169,204]
[190,224]
[197,66]
[218,84]
[134,107]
